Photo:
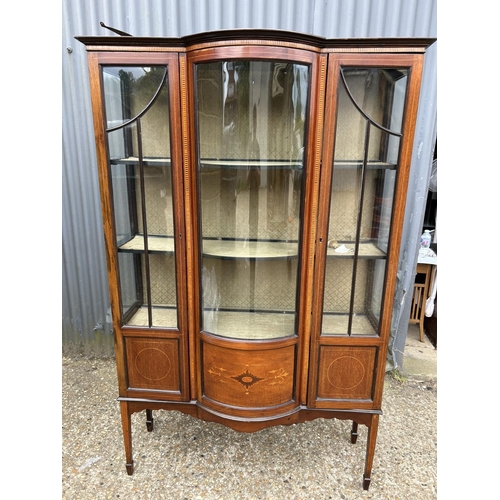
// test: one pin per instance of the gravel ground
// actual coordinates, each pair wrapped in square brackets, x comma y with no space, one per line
[185,458]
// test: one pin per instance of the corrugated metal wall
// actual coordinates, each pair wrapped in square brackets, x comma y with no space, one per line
[86,328]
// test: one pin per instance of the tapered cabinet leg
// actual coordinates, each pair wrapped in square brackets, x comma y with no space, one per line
[127,436]
[149,420]
[370,451]
[354,432]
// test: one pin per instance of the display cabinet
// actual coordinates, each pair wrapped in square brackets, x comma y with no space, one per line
[253,188]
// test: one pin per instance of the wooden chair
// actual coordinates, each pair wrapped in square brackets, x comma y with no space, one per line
[420,294]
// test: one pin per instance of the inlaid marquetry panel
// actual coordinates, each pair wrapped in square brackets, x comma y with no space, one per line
[346,372]
[257,378]
[153,364]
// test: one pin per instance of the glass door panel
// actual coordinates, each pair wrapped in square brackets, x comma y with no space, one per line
[251,131]
[138,132]
[368,131]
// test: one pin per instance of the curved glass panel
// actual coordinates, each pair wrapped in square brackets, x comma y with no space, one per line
[375,91]
[251,119]
[129,90]
[364,172]
[141,180]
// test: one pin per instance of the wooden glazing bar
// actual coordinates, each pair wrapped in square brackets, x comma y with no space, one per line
[144,223]
[358,226]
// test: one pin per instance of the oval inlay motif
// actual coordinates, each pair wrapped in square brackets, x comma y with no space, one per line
[345,372]
[153,364]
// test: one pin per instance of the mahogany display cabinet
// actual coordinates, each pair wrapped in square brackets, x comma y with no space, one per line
[253,189]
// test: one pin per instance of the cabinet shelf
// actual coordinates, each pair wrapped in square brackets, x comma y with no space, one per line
[244,164]
[243,249]
[148,161]
[223,249]
[371,165]
[365,251]
[229,163]
[156,244]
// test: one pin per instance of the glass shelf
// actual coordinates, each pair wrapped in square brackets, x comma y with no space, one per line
[224,249]
[148,161]
[242,163]
[252,163]
[244,249]
[365,250]
[163,244]
[370,165]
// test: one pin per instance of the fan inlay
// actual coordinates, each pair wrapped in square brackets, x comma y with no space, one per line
[247,379]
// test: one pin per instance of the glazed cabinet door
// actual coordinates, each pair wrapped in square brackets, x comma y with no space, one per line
[252,108]
[366,159]
[136,109]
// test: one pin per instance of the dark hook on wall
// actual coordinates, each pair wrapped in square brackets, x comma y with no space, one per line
[114,30]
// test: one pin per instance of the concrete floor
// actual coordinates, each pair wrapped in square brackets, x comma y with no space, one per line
[187,459]
[420,358]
